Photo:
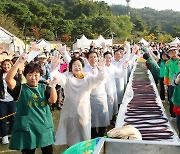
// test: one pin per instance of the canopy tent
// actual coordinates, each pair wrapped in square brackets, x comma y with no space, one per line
[43,44]
[143,41]
[83,42]
[175,42]
[9,42]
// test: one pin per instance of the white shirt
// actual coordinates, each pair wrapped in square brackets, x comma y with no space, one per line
[8,97]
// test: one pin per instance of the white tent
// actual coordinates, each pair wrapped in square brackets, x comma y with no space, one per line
[143,41]
[9,42]
[83,42]
[175,42]
[43,44]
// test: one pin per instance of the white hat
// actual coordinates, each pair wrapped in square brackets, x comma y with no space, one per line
[42,56]
[172,48]
[75,51]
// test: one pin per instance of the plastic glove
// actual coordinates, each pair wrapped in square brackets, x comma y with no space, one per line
[103,44]
[21,60]
[126,46]
[101,64]
[55,62]
[53,83]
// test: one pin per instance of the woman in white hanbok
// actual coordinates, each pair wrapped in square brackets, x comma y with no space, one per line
[75,118]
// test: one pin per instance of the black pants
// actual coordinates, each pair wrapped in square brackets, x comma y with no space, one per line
[162,89]
[45,150]
[170,94]
[97,132]
[7,108]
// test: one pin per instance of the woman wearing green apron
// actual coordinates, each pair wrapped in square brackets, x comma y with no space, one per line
[33,126]
[176,97]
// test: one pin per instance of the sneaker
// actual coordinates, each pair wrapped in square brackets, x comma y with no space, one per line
[5,140]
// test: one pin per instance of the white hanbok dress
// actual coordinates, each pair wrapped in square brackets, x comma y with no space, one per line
[75,118]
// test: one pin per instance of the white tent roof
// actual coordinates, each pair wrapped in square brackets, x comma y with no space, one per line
[143,41]
[84,38]
[5,36]
[10,42]
[101,38]
[83,42]
[42,43]
[175,42]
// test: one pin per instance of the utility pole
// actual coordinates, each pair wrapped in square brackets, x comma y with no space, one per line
[128,7]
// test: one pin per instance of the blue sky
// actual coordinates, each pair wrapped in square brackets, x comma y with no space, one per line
[155,4]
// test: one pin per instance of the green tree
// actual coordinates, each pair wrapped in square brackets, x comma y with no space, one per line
[176,31]
[9,24]
[47,34]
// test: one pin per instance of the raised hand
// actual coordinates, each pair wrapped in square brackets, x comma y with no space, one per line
[135,48]
[103,44]
[101,63]
[126,46]
[22,59]
[61,49]
[55,62]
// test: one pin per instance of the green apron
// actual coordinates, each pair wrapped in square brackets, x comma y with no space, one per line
[154,68]
[176,95]
[33,127]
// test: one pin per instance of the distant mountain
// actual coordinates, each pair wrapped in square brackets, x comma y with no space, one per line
[165,19]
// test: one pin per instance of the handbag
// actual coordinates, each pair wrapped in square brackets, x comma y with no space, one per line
[176,110]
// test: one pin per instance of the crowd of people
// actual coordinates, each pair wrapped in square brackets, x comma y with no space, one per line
[87,85]
[164,64]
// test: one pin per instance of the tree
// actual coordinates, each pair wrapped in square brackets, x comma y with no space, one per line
[176,31]
[9,24]
[101,25]
[47,34]
[155,30]
[65,38]
[36,32]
